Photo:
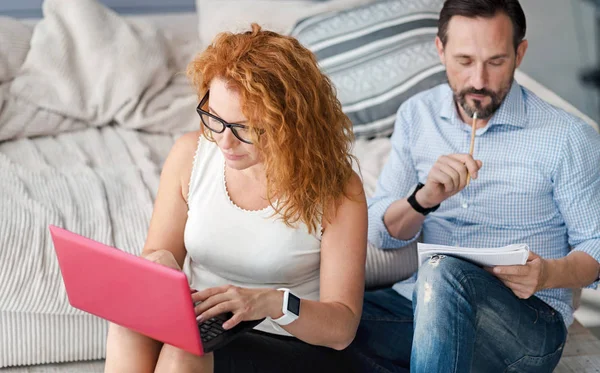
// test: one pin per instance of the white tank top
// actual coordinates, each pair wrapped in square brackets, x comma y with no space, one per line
[229,245]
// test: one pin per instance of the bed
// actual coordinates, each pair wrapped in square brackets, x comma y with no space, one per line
[91,103]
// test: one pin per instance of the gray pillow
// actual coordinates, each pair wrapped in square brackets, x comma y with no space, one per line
[377,55]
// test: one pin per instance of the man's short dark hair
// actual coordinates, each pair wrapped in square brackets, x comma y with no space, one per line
[485,9]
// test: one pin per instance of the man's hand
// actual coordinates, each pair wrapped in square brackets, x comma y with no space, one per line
[524,280]
[447,177]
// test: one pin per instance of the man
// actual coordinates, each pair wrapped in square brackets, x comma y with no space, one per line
[534,179]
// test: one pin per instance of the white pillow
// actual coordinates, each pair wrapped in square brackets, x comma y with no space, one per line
[215,16]
[551,97]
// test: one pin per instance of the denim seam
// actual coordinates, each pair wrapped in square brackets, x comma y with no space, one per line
[458,337]
[472,276]
[462,280]
[550,315]
[544,357]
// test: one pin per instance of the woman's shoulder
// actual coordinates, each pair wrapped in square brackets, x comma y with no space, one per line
[180,161]
[183,150]
[354,187]
[187,143]
[353,201]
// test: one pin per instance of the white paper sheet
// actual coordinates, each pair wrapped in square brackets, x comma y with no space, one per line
[489,257]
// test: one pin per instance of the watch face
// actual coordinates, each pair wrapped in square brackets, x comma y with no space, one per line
[293,304]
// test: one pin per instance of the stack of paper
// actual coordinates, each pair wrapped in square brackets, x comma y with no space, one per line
[488,257]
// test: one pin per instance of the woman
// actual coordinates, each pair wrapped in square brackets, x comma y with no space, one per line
[262,197]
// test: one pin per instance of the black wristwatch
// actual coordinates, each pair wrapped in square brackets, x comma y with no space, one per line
[412,200]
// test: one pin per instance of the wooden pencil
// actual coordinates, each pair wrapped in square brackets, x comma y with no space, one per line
[472,148]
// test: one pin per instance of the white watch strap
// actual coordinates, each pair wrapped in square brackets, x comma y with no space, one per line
[285,319]
[288,316]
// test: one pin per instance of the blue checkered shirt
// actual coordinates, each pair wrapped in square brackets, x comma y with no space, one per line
[539,184]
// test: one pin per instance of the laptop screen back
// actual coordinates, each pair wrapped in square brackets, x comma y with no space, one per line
[127,290]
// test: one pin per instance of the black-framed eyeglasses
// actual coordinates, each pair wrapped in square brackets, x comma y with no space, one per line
[214,123]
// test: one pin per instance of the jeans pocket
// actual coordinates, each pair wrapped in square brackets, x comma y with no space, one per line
[537,364]
[546,312]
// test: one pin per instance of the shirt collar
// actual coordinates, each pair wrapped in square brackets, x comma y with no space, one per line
[511,112]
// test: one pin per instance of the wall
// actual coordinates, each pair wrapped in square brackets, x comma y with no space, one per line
[562,43]
[33,8]
[560,32]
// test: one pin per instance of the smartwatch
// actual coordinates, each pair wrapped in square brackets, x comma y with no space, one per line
[290,308]
[412,200]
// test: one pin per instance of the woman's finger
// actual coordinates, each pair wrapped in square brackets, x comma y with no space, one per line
[201,296]
[224,307]
[234,320]
[211,302]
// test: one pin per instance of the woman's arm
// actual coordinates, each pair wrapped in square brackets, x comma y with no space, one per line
[333,321]
[164,243]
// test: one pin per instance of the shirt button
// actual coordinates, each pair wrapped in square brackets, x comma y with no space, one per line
[465,205]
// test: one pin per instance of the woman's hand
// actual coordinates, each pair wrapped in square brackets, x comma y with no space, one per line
[164,257]
[245,304]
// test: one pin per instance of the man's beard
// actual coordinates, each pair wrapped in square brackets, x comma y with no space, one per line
[483,112]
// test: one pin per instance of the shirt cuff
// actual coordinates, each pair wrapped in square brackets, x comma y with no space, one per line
[592,248]
[379,236]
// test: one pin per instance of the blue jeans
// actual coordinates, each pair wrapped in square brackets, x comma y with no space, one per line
[463,320]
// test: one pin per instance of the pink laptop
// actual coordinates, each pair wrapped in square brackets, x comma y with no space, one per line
[138,294]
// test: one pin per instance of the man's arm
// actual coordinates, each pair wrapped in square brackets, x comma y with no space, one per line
[447,177]
[576,270]
[393,222]
[577,194]
[395,181]
[402,221]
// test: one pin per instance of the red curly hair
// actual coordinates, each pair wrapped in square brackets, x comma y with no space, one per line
[307,139]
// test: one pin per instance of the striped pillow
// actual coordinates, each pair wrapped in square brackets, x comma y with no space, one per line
[377,55]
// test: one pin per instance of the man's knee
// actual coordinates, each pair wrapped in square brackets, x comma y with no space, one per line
[445,268]
[444,275]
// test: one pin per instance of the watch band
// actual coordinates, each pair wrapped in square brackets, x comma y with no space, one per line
[412,200]
[288,315]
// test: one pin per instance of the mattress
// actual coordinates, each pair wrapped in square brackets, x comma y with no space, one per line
[30,339]
[98,182]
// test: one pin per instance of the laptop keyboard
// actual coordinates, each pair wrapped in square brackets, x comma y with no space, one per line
[213,327]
